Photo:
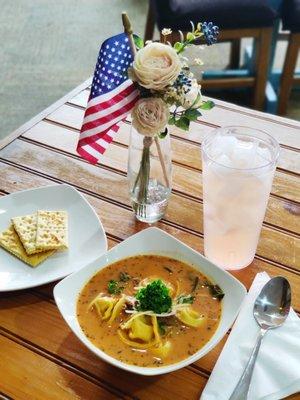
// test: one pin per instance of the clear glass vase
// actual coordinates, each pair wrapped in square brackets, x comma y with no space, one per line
[149,175]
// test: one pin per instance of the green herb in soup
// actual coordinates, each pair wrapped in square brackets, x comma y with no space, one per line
[149,310]
[154,297]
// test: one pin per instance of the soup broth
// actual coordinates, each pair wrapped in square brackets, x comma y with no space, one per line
[194,317]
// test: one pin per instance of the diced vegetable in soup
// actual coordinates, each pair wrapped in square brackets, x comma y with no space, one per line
[149,310]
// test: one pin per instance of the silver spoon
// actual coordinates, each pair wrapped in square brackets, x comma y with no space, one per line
[270,310]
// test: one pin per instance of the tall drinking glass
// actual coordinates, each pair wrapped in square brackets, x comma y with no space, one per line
[238,169]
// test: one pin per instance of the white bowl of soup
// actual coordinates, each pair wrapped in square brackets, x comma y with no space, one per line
[150,305]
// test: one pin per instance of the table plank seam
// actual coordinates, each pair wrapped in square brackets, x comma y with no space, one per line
[116,143]
[196,144]
[178,138]
[111,201]
[236,108]
[63,363]
[123,173]
[176,191]
[261,117]
[4,396]
[127,207]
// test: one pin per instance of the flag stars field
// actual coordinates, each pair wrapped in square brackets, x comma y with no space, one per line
[112,98]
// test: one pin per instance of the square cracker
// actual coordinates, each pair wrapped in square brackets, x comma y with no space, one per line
[52,230]
[11,242]
[26,227]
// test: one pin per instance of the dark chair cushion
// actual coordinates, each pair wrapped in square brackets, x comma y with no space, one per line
[291,15]
[227,14]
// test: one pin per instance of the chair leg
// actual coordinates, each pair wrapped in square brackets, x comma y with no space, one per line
[149,29]
[288,73]
[235,53]
[263,51]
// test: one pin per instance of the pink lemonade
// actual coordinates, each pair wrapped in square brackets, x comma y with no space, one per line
[238,169]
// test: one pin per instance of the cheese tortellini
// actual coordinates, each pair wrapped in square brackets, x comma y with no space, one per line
[107,307]
[190,317]
[162,349]
[140,331]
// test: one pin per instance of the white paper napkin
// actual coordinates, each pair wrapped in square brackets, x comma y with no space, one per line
[277,369]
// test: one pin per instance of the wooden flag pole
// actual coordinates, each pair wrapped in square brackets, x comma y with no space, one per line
[129,32]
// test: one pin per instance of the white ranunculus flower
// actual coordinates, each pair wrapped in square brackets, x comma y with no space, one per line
[150,116]
[190,97]
[156,66]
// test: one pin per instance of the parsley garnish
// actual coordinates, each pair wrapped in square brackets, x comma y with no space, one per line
[154,297]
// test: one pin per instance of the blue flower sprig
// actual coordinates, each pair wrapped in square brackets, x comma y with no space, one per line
[210,32]
[206,31]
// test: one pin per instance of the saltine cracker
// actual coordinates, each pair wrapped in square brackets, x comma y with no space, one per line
[11,242]
[52,230]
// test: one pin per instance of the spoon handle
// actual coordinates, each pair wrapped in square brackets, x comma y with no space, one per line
[241,390]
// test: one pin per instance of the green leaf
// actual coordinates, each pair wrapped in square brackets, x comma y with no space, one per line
[113,287]
[192,114]
[163,134]
[183,123]
[138,41]
[124,277]
[178,47]
[207,105]
[161,326]
[215,290]
[183,299]
[172,120]
[190,36]
[196,100]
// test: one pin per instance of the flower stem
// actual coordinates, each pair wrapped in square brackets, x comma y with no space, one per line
[143,176]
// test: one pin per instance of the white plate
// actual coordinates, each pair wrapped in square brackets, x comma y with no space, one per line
[87,239]
[151,241]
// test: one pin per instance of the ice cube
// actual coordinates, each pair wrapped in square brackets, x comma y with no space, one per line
[223,145]
[264,154]
[245,154]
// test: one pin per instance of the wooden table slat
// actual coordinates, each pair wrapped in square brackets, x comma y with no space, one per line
[72,117]
[185,180]
[285,130]
[86,176]
[28,375]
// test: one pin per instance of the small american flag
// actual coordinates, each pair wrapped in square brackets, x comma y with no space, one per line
[111,99]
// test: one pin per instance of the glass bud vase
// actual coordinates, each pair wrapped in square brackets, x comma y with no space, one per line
[149,175]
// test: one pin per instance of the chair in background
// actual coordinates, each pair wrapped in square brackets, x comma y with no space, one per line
[236,19]
[291,22]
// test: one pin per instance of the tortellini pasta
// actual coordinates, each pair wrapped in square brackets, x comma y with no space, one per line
[108,307]
[190,317]
[140,331]
[162,349]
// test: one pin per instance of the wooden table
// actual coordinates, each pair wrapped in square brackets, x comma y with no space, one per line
[39,357]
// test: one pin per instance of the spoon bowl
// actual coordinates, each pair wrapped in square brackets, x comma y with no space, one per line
[273,304]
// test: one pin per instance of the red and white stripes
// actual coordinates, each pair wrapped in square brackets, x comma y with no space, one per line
[101,120]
